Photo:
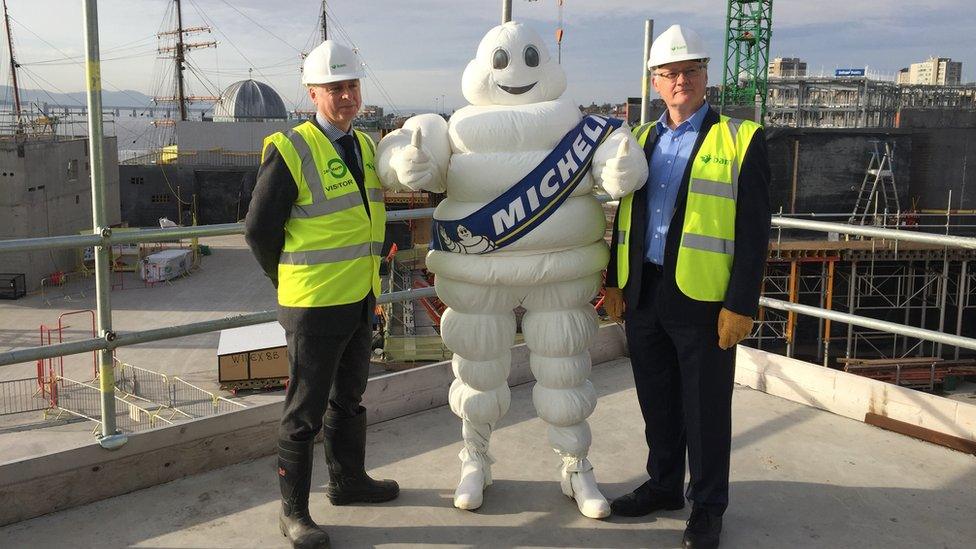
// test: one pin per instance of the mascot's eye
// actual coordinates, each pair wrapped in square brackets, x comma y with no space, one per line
[499,59]
[531,56]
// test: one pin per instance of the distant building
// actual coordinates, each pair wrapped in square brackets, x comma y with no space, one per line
[904,76]
[935,71]
[249,101]
[47,192]
[787,67]
[372,112]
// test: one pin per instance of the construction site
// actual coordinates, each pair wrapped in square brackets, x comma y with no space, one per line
[142,367]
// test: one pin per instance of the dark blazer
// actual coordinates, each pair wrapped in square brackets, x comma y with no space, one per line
[751,240]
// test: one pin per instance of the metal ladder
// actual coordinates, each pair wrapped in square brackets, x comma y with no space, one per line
[877,190]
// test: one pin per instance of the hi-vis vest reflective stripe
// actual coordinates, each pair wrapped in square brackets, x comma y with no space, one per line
[708,235]
[332,247]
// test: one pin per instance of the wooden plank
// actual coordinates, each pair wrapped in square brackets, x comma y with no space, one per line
[921,433]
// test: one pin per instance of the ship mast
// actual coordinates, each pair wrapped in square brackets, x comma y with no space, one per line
[180,87]
[325,18]
[179,56]
[13,69]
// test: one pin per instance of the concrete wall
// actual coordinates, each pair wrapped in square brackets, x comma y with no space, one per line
[41,197]
[230,136]
[149,192]
[832,164]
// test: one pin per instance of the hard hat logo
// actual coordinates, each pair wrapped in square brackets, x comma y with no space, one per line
[337,66]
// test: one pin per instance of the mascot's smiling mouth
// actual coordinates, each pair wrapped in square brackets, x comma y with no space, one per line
[517,90]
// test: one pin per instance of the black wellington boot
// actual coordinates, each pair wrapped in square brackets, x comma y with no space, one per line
[345,452]
[295,481]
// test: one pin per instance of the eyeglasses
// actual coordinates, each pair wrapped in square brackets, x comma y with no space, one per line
[672,76]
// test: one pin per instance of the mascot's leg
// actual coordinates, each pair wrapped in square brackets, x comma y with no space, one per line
[558,326]
[479,327]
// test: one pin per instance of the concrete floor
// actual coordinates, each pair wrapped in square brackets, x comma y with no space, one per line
[227,282]
[801,478]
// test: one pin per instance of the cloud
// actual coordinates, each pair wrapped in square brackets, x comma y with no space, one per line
[418,49]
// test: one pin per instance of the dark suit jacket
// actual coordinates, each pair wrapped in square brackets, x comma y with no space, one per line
[264,231]
[751,240]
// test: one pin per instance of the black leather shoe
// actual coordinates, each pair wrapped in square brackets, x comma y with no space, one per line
[644,501]
[345,452]
[703,531]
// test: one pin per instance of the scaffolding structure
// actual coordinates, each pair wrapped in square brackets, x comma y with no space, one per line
[823,102]
[919,96]
[855,102]
[921,285]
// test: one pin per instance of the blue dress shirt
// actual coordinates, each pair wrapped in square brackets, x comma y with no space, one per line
[665,170]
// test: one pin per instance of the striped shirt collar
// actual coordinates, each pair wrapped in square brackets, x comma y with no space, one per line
[332,132]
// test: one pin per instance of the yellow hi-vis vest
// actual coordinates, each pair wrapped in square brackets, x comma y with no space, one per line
[708,236]
[332,248]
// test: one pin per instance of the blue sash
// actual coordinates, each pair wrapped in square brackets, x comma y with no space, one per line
[532,200]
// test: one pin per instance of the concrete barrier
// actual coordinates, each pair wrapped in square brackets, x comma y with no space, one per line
[44,484]
[851,395]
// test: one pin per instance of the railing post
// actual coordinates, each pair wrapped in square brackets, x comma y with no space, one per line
[961,301]
[111,438]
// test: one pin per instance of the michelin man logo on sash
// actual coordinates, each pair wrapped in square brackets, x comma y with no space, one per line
[531,200]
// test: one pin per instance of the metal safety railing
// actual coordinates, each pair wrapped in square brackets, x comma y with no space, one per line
[862,321]
[171,391]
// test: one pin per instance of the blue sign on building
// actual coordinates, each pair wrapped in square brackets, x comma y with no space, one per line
[849,72]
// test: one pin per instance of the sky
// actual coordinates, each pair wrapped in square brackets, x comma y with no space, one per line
[416,50]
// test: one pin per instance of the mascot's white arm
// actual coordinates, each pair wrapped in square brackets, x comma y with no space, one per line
[415,157]
[619,164]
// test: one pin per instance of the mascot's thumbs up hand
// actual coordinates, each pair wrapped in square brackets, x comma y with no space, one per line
[412,164]
[625,172]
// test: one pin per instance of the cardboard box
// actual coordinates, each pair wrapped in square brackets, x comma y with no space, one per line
[251,353]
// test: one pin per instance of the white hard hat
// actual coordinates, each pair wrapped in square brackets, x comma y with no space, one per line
[676,44]
[331,62]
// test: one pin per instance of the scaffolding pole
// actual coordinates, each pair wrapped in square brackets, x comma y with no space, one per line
[646,73]
[961,302]
[829,303]
[110,438]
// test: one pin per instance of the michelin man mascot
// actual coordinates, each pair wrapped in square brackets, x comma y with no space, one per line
[519,226]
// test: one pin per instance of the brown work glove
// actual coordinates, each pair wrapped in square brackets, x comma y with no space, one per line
[613,302]
[732,328]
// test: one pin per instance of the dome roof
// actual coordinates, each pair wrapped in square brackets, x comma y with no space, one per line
[249,100]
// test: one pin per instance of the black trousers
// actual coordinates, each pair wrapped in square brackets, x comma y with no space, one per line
[684,387]
[328,359]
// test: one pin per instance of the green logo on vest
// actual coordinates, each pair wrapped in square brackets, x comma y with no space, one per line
[706,158]
[336,168]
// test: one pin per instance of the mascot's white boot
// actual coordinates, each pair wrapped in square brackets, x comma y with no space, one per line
[553,256]
[480,327]
[558,326]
